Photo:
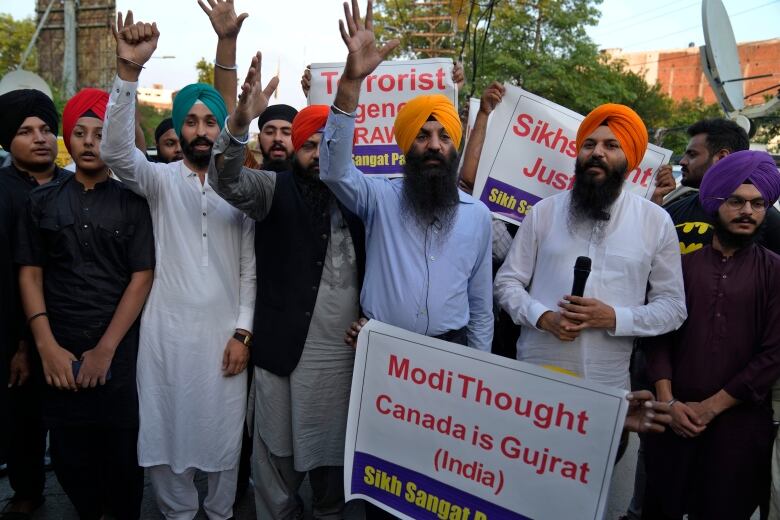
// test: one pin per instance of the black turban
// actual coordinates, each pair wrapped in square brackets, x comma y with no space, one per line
[165,125]
[18,105]
[274,112]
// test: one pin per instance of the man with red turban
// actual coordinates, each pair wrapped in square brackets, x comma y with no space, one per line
[717,370]
[632,246]
[428,265]
[310,258]
[86,252]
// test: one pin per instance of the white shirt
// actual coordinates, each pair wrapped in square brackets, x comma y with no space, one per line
[635,269]
[204,288]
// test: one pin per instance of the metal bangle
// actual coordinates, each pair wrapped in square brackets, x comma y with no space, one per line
[671,402]
[131,61]
[342,112]
[225,67]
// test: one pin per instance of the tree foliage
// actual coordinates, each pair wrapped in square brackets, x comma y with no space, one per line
[205,71]
[16,36]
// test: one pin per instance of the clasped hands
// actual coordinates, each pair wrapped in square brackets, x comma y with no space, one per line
[577,314]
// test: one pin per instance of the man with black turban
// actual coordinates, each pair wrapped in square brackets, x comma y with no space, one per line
[167,142]
[275,137]
[28,131]
[717,369]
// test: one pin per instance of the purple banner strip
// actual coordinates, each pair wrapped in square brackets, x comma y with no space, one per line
[392,484]
[507,200]
[378,159]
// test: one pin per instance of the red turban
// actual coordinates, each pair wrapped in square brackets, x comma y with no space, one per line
[624,123]
[87,100]
[309,121]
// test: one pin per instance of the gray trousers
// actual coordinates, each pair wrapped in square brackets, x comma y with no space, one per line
[276,484]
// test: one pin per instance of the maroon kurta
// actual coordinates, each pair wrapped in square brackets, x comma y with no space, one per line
[730,341]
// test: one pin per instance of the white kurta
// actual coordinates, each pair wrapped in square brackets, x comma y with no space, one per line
[637,258]
[204,288]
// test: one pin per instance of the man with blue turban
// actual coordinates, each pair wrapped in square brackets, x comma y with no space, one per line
[716,371]
[195,329]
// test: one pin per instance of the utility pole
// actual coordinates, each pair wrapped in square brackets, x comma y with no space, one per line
[70,62]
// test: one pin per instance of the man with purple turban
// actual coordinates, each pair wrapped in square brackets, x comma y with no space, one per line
[717,369]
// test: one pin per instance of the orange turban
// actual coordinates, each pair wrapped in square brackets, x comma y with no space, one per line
[416,112]
[309,121]
[624,123]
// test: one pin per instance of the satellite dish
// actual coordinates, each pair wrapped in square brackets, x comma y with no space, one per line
[720,58]
[20,79]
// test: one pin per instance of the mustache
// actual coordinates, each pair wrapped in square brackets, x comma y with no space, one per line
[278,146]
[201,140]
[595,163]
[744,220]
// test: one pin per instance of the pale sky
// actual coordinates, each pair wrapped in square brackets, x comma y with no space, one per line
[292,33]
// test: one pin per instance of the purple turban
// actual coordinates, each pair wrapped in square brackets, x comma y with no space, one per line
[746,166]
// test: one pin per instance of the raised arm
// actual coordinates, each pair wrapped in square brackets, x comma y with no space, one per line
[249,190]
[337,170]
[222,15]
[490,99]
[135,44]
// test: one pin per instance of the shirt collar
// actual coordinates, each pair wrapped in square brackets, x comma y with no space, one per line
[465,198]
[26,177]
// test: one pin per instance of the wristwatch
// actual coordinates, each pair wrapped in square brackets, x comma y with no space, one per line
[246,339]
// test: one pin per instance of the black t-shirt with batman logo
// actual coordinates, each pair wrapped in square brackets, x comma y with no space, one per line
[694,227]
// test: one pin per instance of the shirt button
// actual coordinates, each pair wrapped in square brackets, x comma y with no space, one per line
[319,264]
[204,234]
[204,192]
[307,314]
[433,258]
[204,213]
[85,226]
[725,276]
[720,295]
[717,315]
[324,236]
[313,287]
[86,244]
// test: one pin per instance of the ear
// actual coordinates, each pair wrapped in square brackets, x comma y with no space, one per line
[720,154]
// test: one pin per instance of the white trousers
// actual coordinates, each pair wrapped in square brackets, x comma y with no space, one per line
[177,496]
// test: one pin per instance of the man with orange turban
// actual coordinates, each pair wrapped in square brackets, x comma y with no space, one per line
[635,283]
[87,256]
[310,258]
[428,264]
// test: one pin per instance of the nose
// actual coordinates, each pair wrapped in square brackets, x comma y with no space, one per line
[202,128]
[434,143]
[38,136]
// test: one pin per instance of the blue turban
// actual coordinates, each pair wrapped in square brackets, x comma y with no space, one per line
[187,97]
[746,166]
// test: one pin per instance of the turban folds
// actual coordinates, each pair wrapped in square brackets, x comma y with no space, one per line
[18,105]
[624,123]
[191,94]
[725,176]
[276,112]
[86,100]
[309,121]
[165,125]
[416,112]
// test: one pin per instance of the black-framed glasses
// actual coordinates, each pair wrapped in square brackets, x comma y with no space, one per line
[737,203]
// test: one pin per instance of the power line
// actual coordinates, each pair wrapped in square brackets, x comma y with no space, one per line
[696,26]
[644,20]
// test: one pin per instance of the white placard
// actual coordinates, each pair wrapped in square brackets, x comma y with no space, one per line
[438,430]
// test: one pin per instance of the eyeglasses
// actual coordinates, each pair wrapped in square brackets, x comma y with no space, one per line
[737,203]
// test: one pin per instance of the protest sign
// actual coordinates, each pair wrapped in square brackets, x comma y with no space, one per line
[438,430]
[382,95]
[529,154]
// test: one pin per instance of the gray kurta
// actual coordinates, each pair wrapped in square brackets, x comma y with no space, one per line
[304,415]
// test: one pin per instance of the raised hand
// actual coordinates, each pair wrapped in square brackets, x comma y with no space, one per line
[135,42]
[253,99]
[358,35]
[222,14]
[491,97]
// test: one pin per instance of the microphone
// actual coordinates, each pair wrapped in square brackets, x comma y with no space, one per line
[581,272]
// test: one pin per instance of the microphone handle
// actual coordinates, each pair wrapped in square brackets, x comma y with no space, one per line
[580,278]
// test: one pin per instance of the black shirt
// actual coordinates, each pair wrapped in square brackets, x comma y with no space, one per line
[15,188]
[695,229]
[88,242]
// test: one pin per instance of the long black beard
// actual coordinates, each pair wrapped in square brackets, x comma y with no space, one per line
[731,240]
[316,195]
[430,193]
[591,200]
[275,165]
[197,158]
